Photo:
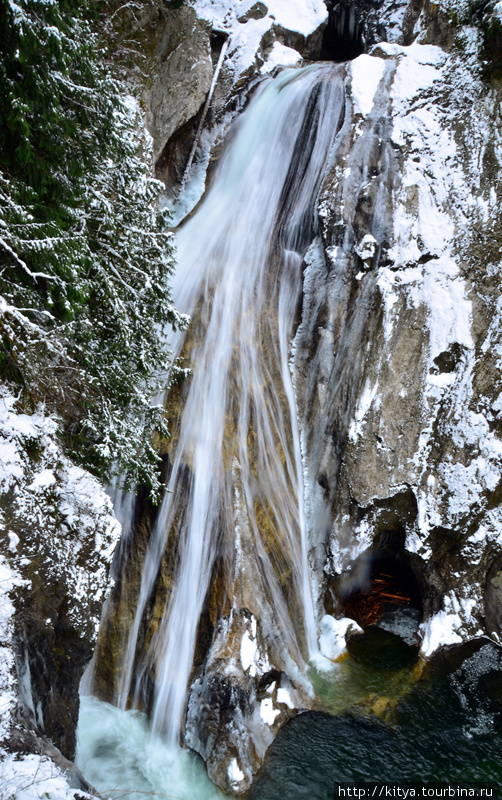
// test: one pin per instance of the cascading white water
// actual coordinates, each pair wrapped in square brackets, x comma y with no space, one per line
[236,451]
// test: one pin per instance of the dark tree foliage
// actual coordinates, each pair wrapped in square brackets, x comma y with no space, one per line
[85,255]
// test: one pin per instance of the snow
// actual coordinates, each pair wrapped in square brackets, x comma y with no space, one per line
[53,501]
[300,16]
[283,696]
[424,226]
[443,379]
[426,54]
[235,775]
[19,14]
[249,653]
[245,43]
[332,635]
[267,711]
[367,72]
[437,197]
[32,777]
[440,630]
[280,56]
[450,625]
[349,543]
[252,661]
[13,541]
[366,248]
[367,398]
[303,16]
[43,480]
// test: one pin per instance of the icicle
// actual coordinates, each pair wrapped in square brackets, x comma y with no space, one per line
[206,109]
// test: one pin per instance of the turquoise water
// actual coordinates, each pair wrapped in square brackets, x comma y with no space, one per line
[443,724]
[123,759]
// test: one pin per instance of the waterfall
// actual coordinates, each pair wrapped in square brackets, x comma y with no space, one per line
[235,465]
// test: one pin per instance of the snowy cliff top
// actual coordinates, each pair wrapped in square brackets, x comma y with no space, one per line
[247,21]
[302,16]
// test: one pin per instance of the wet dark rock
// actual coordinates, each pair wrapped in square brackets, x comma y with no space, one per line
[257,11]
[51,661]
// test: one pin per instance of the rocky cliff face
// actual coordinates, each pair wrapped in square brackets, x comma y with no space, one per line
[395,361]
[399,433]
[396,367]
[57,537]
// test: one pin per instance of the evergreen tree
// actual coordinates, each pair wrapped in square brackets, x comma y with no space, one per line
[85,255]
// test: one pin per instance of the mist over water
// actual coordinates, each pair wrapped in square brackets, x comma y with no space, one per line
[121,757]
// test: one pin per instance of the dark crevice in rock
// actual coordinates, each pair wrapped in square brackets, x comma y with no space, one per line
[50,660]
[343,37]
[386,577]
[353,28]
[266,680]
[171,164]
[217,41]
[383,594]
[449,359]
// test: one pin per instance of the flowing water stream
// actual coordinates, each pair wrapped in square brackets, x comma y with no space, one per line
[235,461]
[235,466]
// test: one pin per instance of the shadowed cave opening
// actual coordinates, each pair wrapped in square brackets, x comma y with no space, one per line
[382,594]
[343,38]
[380,582]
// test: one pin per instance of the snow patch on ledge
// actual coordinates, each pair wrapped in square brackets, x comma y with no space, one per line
[284,697]
[235,775]
[298,16]
[302,16]
[451,625]
[267,711]
[252,661]
[280,56]
[332,635]
[31,777]
[367,72]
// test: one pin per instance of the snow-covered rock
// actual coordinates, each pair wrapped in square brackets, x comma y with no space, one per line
[399,403]
[57,537]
